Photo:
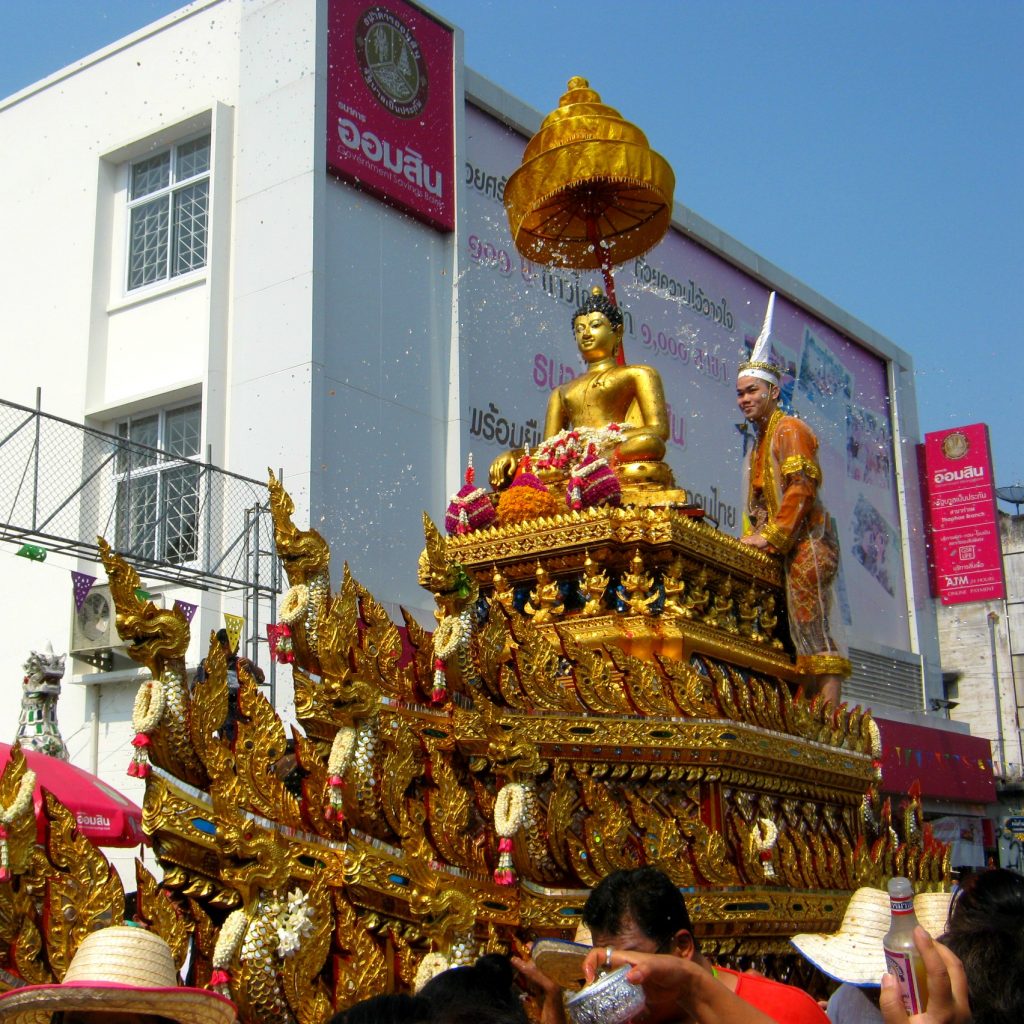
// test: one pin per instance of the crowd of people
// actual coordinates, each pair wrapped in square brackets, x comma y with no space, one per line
[638,921]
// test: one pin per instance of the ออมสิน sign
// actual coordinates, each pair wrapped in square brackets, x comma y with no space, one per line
[390,107]
[967,562]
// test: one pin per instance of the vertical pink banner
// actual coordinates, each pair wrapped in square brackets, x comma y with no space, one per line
[390,112]
[962,517]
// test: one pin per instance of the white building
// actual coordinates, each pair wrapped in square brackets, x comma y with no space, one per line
[189,276]
[983,657]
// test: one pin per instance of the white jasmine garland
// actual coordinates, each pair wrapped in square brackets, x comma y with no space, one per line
[294,604]
[22,801]
[429,967]
[150,701]
[229,939]
[766,834]
[342,748]
[510,810]
[452,631]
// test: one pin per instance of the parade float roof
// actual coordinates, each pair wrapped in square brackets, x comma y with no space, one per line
[102,814]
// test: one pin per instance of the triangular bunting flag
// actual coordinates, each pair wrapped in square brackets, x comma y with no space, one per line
[233,624]
[188,610]
[33,551]
[142,594]
[82,583]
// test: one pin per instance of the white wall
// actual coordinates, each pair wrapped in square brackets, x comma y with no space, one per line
[96,351]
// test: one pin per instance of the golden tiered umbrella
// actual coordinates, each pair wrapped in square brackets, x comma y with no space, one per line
[590,192]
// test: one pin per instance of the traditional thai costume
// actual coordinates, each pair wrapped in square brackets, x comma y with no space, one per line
[781,486]
[783,506]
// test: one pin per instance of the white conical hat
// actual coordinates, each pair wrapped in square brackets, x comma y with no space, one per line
[759,364]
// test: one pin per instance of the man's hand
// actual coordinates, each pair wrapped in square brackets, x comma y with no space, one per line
[546,990]
[675,986]
[947,988]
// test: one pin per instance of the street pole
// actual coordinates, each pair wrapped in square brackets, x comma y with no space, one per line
[993,621]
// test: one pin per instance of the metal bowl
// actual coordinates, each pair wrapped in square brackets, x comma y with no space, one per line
[610,999]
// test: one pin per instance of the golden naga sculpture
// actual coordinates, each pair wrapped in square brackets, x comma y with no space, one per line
[421,819]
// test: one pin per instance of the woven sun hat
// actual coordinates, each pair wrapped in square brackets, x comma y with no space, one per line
[119,969]
[854,953]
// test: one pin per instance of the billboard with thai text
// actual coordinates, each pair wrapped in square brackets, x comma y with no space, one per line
[390,115]
[967,562]
[691,315]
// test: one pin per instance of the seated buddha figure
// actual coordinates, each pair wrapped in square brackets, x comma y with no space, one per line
[619,408]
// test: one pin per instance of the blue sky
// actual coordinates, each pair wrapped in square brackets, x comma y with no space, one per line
[873,149]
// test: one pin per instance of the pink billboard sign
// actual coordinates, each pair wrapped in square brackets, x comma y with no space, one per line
[966,554]
[390,111]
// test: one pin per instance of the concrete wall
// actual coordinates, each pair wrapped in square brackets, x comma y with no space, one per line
[977,640]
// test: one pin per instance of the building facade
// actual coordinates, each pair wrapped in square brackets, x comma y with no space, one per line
[983,661]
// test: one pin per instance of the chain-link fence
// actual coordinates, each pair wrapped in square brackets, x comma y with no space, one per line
[170,515]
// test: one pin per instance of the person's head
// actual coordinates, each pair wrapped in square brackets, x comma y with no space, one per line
[640,909]
[486,987]
[118,975]
[986,930]
[224,640]
[757,398]
[392,1009]
[597,327]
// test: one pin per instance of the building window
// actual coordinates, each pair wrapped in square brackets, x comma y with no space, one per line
[157,509]
[168,208]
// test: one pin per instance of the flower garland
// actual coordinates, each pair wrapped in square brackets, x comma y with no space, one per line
[150,702]
[452,633]
[338,763]
[765,834]
[429,967]
[294,922]
[20,805]
[567,448]
[228,942]
[294,604]
[509,818]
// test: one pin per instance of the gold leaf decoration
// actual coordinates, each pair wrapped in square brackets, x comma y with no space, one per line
[259,745]
[155,908]
[85,888]
[303,988]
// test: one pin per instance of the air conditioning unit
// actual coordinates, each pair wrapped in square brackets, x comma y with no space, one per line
[94,625]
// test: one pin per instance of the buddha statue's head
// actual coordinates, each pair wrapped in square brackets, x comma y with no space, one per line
[597,327]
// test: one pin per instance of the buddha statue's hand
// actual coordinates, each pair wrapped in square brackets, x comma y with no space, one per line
[503,469]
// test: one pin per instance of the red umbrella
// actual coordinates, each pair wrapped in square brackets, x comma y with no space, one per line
[103,815]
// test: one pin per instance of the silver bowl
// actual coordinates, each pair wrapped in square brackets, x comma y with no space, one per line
[610,999]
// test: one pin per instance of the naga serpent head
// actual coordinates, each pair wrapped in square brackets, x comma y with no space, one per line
[43,673]
[305,553]
[155,635]
[252,857]
[452,586]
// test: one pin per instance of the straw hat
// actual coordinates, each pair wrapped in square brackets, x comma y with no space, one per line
[854,953]
[118,969]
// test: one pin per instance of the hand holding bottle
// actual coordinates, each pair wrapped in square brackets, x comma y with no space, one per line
[947,988]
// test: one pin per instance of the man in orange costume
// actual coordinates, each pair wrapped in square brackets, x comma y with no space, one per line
[786,517]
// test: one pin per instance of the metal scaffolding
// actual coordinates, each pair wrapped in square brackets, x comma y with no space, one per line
[177,519]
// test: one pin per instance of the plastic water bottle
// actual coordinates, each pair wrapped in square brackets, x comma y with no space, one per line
[902,960]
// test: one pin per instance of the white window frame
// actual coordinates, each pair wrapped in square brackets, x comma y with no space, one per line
[159,538]
[167,192]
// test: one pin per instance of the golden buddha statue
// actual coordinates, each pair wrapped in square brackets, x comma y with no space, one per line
[620,408]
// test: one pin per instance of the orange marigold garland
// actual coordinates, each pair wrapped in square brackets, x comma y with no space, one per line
[526,497]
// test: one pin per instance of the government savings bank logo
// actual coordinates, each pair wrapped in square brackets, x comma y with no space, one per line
[390,62]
